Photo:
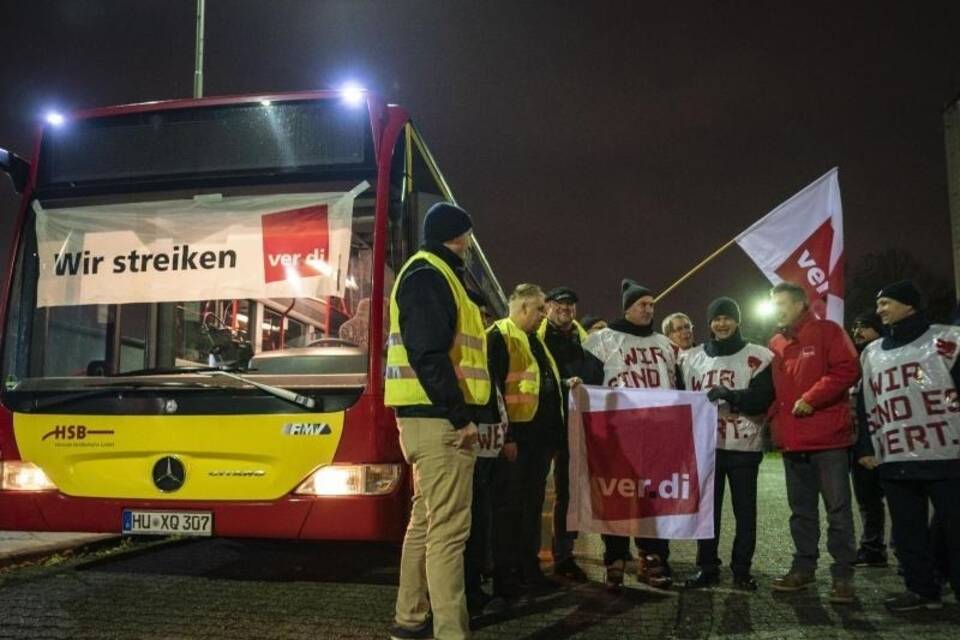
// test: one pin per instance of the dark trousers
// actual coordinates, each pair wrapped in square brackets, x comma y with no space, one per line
[740,468]
[869,494]
[562,539]
[507,525]
[810,476]
[479,552]
[908,501]
[618,548]
[532,467]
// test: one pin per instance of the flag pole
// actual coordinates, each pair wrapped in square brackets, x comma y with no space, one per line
[699,266]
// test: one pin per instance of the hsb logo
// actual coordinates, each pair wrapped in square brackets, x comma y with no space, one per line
[73,432]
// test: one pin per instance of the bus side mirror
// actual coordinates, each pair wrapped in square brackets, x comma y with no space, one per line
[17,168]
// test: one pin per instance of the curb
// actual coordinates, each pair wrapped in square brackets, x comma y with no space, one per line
[35,552]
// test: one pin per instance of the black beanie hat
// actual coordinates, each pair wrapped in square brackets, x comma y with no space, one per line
[869,319]
[444,222]
[588,321]
[904,291]
[631,292]
[723,306]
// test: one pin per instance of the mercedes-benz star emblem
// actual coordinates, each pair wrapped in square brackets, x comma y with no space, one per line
[169,474]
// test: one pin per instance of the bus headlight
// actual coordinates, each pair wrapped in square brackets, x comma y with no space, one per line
[23,476]
[351,480]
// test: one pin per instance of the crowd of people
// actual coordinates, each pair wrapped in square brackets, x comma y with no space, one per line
[481,410]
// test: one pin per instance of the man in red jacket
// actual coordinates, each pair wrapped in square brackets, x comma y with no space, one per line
[814,366]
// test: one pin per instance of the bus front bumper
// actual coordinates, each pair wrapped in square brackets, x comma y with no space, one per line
[371,518]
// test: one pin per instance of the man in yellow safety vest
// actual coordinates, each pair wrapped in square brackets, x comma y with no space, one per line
[524,370]
[437,381]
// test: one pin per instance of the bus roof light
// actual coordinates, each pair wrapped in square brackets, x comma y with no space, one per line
[352,94]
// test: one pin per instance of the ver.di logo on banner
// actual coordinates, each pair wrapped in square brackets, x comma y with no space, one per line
[296,241]
[642,472]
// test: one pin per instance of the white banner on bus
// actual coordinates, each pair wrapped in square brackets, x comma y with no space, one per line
[206,248]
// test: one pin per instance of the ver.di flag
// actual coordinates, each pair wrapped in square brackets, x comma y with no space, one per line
[642,462]
[205,248]
[801,241]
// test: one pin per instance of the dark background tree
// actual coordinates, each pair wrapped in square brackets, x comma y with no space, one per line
[873,271]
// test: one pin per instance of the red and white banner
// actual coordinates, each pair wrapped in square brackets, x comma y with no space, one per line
[642,462]
[205,248]
[801,241]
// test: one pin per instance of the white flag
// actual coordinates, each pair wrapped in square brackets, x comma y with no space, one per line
[801,241]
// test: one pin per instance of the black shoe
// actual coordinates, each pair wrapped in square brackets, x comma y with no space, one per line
[535,579]
[571,570]
[614,577]
[477,602]
[745,582]
[423,632]
[870,558]
[701,580]
[508,590]
[910,601]
[507,584]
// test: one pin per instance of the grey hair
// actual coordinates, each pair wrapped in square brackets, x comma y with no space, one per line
[524,292]
[667,323]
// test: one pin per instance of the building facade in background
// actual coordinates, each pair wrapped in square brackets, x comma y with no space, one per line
[951,129]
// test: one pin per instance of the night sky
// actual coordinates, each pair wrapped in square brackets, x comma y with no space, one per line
[590,140]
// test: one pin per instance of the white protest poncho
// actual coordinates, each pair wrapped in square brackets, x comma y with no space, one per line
[909,395]
[205,248]
[635,362]
[701,372]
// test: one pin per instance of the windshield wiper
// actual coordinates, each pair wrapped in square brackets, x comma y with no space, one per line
[230,372]
[279,392]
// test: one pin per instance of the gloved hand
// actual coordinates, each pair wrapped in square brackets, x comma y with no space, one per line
[720,393]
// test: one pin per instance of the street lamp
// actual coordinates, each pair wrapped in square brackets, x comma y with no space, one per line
[764,309]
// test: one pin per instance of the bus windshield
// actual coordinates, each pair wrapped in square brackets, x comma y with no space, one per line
[191,238]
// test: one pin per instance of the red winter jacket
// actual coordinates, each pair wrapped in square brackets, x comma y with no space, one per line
[814,360]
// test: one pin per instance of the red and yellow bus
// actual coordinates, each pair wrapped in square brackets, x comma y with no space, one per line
[151,403]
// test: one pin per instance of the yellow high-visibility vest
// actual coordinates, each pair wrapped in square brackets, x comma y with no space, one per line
[468,353]
[542,331]
[522,386]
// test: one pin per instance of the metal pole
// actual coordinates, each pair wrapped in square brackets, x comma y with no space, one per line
[198,63]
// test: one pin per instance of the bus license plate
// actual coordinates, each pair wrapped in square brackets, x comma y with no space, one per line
[187,523]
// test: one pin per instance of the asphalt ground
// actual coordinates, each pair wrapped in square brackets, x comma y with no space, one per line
[223,588]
